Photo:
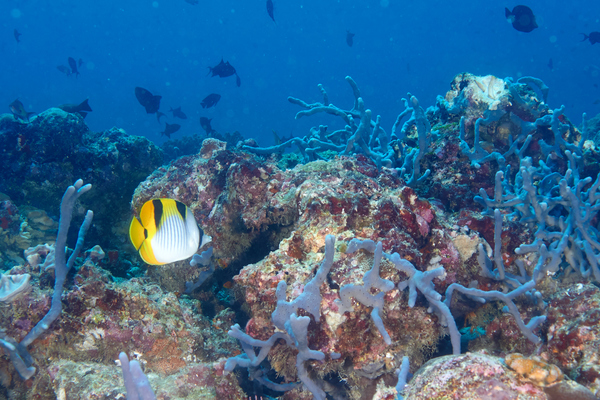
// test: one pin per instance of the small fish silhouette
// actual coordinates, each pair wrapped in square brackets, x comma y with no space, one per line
[205,124]
[211,100]
[169,129]
[349,38]
[18,110]
[270,9]
[73,65]
[17,35]
[224,70]
[149,101]
[64,69]
[593,37]
[521,18]
[177,113]
[82,108]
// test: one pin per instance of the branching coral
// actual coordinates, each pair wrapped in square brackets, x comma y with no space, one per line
[368,137]
[18,352]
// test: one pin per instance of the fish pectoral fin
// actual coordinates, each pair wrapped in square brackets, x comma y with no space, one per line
[137,233]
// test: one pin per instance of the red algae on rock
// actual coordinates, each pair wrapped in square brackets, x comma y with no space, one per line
[347,197]
[574,333]
[76,357]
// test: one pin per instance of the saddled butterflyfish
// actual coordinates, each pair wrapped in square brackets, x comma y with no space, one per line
[166,232]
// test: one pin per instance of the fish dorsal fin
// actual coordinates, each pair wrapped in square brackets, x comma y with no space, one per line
[168,208]
[171,208]
[182,209]
[137,233]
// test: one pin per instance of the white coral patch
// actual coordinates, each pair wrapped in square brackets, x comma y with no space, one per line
[466,245]
[89,340]
[334,319]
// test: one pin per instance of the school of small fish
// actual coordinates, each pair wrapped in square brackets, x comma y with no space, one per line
[166,230]
[521,17]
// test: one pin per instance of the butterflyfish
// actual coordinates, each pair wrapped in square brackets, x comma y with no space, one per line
[166,232]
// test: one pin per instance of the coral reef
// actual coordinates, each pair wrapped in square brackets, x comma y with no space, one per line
[574,332]
[347,197]
[319,254]
[22,228]
[13,285]
[76,358]
[41,158]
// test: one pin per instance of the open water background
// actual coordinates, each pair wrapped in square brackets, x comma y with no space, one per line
[399,47]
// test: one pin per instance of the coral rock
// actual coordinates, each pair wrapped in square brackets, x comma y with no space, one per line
[534,369]
[471,376]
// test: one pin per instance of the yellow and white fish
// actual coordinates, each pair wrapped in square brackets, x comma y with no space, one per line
[166,232]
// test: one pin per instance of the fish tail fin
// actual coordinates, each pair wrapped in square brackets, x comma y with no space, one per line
[585,37]
[210,69]
[137,233]
[84,106]
[507,13]
[158,115]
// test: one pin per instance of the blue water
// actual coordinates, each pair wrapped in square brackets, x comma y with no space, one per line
[166,47]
